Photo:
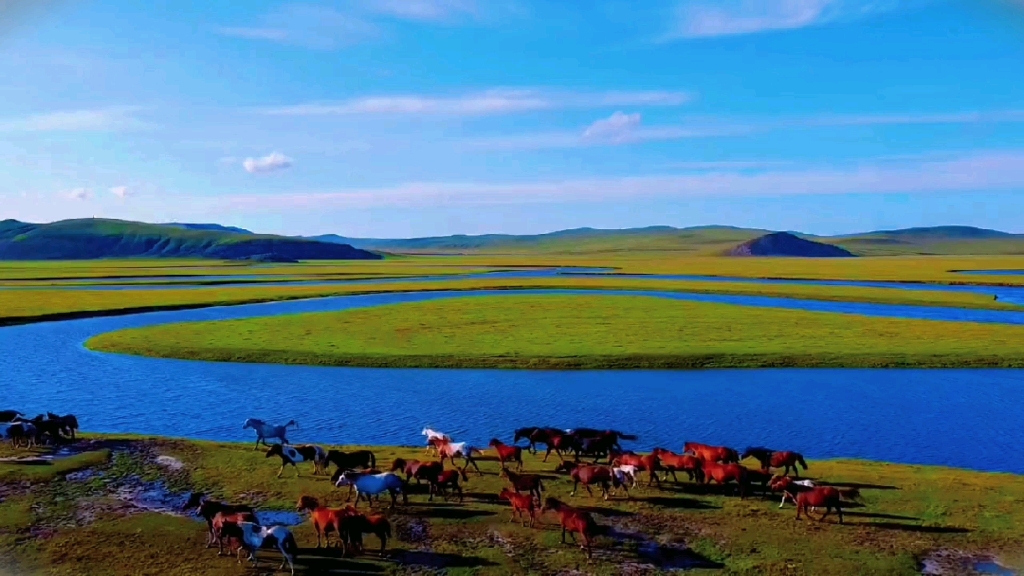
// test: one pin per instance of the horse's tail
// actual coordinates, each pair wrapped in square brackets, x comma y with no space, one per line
[288,545]
[800,459]
[850,494]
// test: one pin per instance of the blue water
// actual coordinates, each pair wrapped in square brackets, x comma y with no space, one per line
[965,418]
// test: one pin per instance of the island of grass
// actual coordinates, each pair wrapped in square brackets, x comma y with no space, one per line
[578,332]
[92,515]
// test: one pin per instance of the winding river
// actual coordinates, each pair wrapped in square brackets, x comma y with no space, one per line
[966,418]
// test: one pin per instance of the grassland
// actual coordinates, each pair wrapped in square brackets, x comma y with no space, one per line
[77,525]
[578,332]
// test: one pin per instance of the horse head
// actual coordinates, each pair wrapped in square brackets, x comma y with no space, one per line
[551,503]
[307,503]
[251,423]
[292,423]
[398,464]
[275,450]
[195,500]
[347,478]
[494,443]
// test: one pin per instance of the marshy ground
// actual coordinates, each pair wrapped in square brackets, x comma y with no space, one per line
[111,506]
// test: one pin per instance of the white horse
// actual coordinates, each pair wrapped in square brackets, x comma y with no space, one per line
[370,485]
[255,536]
[264,431]
[626,475]
[434,437]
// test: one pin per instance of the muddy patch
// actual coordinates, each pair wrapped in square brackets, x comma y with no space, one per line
[664,553]
[947,562]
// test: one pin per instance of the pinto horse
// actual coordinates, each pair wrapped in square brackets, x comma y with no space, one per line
[506,452]
[325,520]
[672,462]
[303,453]
[522,504]
[776,459]
[712,453]
[255,537]
[826,497]
[573,521]
[449,450]
[370,485]
[264,431]
[725,473]
[351,460]
[207,509]
[434,438]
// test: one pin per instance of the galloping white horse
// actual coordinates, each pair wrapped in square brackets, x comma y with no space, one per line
[433,438]
[370,485]
[255,536]
[264,431]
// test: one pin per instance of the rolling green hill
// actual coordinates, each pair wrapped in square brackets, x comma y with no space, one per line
[99,238]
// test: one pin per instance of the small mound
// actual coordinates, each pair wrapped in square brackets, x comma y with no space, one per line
[786,244]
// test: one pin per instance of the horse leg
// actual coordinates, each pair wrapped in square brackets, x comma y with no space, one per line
[563,534]
[589,491]
[839,511]
[575,485]
[281,471]
[394,499]
[828,510]
[257,446]
[473,462]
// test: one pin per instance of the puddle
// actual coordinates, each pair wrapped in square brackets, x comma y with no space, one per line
[949,562]
[279,518]
[150,496]
[667,556]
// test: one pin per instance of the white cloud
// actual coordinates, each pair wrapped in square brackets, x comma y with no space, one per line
[79,194]
[308,26]
[710,18]
[121,192]
[616,127]
[94,120]
[970,172]
[269,163]
[489,102]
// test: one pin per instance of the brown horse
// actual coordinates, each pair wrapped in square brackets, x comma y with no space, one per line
[417,469]
[325,520]
[207,509]
[648,463]
[725,473]
[226,526]
[776,459]
[561,443]
[522,504]
[353,526]
[672,462]
[536,435]
[448,479]
[592,475]
[712,453]
[506,452]
[573,521]
[826,497]
[529,482]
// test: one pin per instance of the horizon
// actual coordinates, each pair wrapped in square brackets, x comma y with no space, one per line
[370,119]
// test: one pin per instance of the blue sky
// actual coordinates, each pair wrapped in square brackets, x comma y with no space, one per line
[396,118]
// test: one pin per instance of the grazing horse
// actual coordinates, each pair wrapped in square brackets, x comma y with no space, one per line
[22,432]
[725,473]
[9,415]
[825,497]
[522,504]
[208,509]
[303,453]
[529,482]
[573,521]
[648,463]
[776,459]
[589,475]
[353,526]
[325,520]
[255,537]
[434,438]
[370,485]
[789,487]
[68,423]
[264,430]
[448,479]
[506,452]
[672,462]
[449,450]
[351,460]
[712,453]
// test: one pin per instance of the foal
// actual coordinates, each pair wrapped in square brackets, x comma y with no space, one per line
[303,453]
[573,521]
[522,504]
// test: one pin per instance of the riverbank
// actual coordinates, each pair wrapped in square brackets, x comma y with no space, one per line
[113,512]
[578,332]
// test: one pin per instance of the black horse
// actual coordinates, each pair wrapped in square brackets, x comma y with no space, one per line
[352,460]
[9,415]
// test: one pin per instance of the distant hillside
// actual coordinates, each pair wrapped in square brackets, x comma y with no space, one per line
[208,227]
[786,244]
[99,238]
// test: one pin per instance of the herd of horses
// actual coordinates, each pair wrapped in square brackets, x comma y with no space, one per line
[44,429]
[611,468]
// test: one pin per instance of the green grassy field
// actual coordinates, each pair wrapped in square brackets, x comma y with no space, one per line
[578,332]
[78,525]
